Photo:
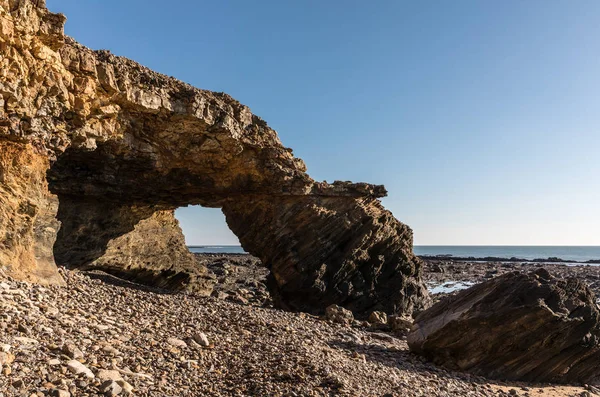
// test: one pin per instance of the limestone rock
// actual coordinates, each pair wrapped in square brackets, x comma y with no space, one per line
[6,358]
[78,368]
[529,327]
[111,388]
[176,342]
[126,387]
[201,339]
[378,319]
[71,350]
[107,374]
[339,315]
[110,149]
[400,324]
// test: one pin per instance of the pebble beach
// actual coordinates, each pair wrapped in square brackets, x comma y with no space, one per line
[100,335]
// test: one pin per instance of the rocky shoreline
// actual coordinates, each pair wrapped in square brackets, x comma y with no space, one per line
[550,260]
[440,272]
[100,335]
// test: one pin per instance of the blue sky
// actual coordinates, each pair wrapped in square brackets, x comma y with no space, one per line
[481,118]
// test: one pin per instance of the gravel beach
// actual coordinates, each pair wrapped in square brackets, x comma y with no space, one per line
[99,335]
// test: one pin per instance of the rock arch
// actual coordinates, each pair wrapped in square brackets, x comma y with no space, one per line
[119,147]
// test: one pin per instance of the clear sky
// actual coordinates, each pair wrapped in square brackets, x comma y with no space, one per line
[482,118]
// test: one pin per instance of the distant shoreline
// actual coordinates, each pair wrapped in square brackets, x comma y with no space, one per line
[500,259]
[441,257]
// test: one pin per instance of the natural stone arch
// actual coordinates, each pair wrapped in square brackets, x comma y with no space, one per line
[123,147]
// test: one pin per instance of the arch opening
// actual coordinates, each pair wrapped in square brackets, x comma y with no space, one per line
[207,228]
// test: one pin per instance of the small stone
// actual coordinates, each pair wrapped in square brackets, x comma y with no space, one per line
[127,388]
[60,393]
[72,351]
[201,339]
[176,342]
[378,318]
[106,374]
[339,315]
[6,358]
[82,384]
[79,369]
[110,350]
[54,362]
[26,341]
[400,323]
[110,388]
[220,295]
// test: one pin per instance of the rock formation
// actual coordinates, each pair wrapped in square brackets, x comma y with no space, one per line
[530,327]
[117,147]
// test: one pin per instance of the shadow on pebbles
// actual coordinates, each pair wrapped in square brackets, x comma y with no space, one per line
[99,335]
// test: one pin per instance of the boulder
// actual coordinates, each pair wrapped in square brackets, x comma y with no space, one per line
[528,327]
[110,149]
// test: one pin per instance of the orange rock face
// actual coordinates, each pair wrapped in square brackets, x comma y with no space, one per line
[27,214]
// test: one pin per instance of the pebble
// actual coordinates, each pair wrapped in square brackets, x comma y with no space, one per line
[337,314]
[111,388]
[127,388]
[60,393]
[72,351]
[176,342]
[105,374]
[201,339]
[378,318]
[78,368]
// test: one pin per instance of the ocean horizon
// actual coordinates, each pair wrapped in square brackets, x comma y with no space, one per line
[526,252]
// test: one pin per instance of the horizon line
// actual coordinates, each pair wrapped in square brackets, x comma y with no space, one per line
[430,245]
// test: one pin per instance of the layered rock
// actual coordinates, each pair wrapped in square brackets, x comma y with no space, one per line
[331,250]
[530,327]
[122,147]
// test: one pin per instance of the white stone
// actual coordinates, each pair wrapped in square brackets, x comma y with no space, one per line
[176,342]
[107,374]
[78,368]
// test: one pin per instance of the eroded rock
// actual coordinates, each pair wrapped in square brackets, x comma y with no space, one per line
[117,147]
[337,314]
[530,327]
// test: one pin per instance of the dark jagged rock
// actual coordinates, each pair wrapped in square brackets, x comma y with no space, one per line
[119,147]
[350,252]
[530,327]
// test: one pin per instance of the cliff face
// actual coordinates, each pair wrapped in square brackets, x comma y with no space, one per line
[119,147]
[27,214]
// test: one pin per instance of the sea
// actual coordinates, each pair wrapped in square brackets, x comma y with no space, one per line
[566,253]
